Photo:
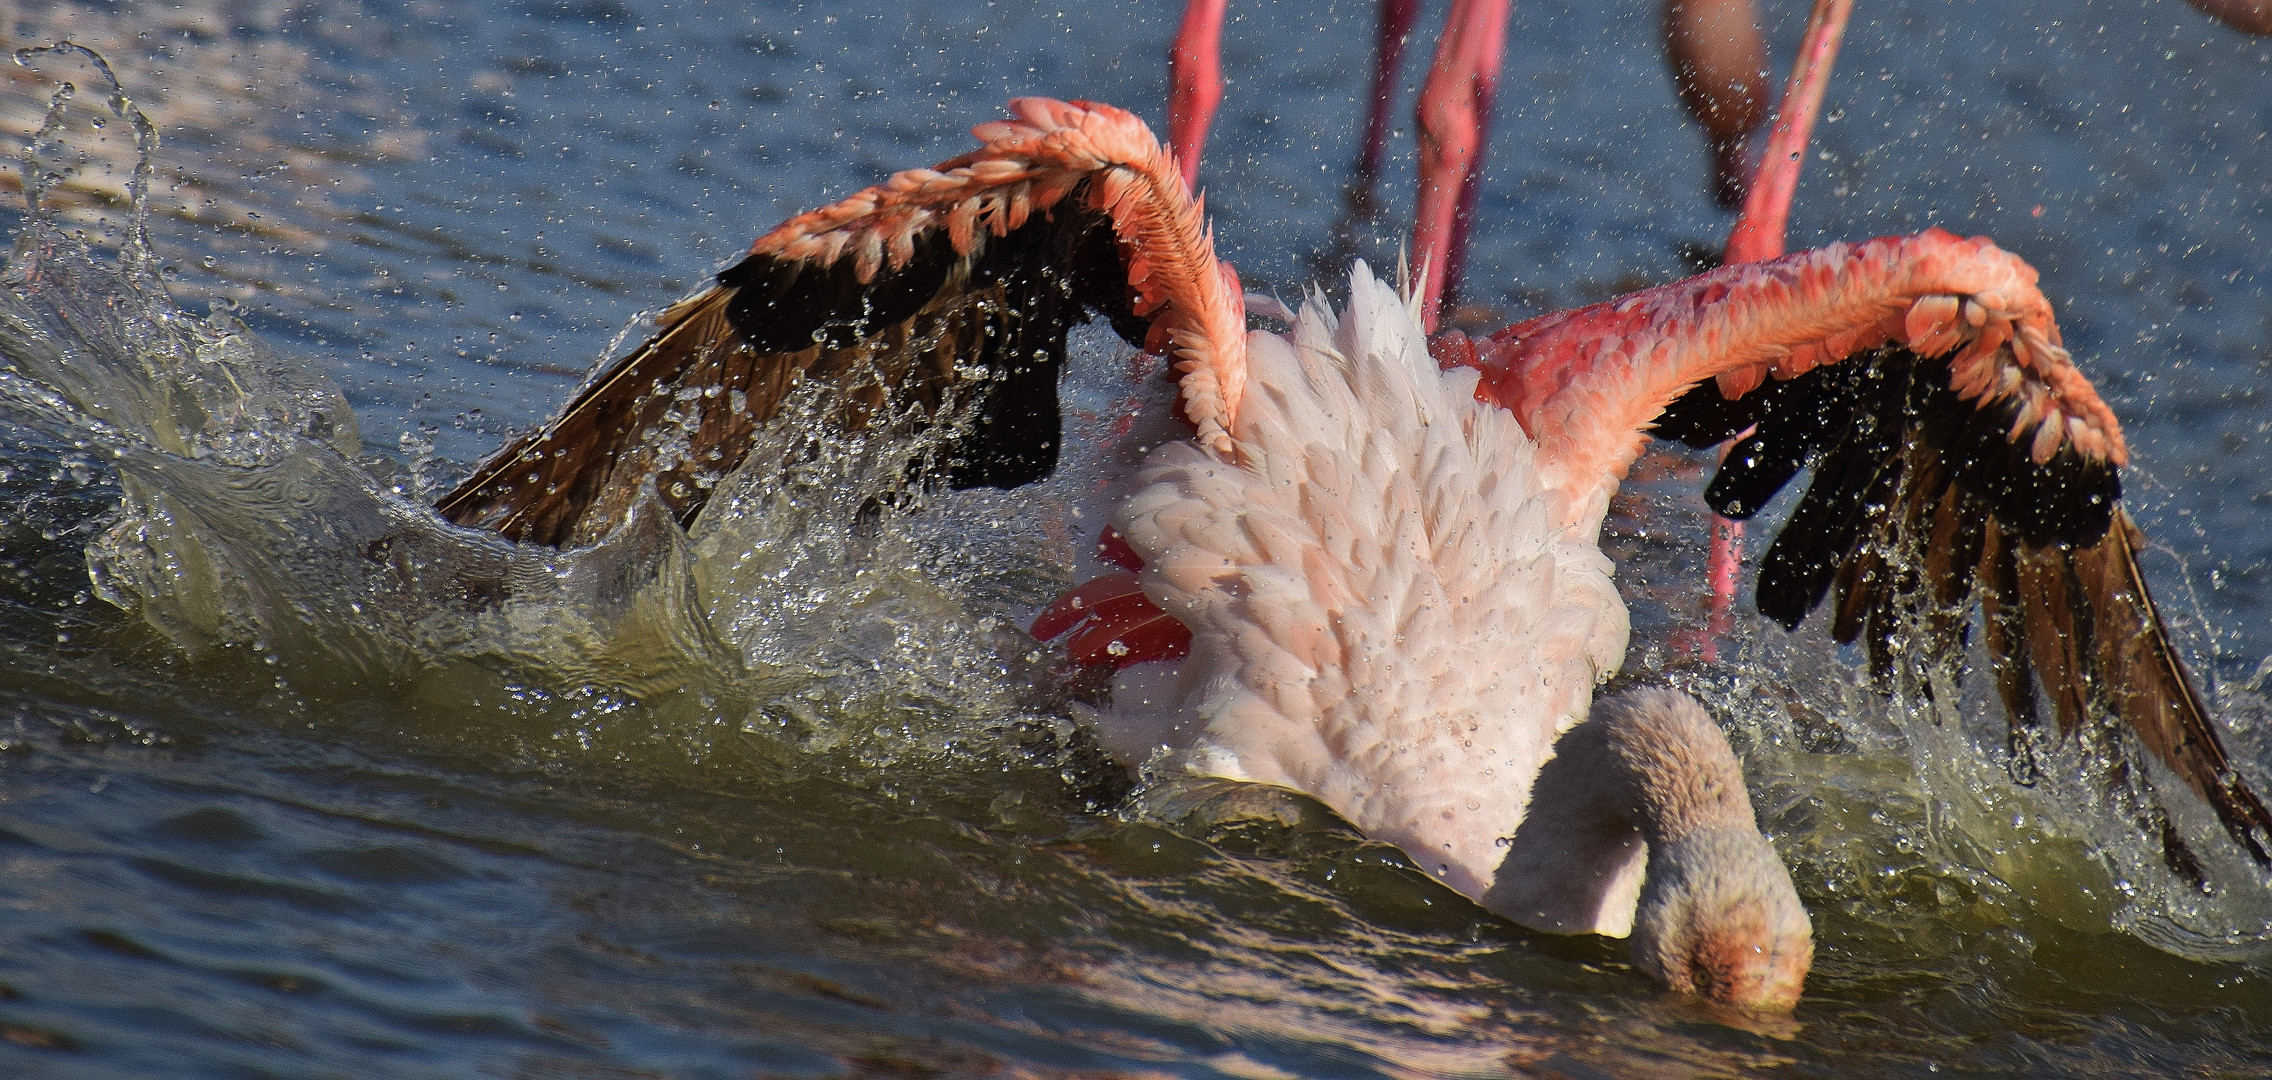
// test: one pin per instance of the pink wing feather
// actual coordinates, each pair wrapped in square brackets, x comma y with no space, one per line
[895,294]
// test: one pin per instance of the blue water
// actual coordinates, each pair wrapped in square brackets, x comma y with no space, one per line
[857,850]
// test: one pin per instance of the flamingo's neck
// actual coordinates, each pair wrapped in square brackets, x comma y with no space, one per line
[1714,911]
[1717,914]
[1644,773]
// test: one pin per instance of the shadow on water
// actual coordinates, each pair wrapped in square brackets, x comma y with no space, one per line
[296,779]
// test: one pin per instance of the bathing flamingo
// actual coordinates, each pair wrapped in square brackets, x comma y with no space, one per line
[1370,573]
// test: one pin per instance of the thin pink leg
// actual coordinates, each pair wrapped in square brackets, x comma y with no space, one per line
[1454,110]
[1726,562]
[1759,236]
[1195,83]
[1397,17]
[1360,201]
[1718,61]
[1470,189]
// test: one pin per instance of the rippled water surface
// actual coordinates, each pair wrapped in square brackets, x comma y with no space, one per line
[280,795]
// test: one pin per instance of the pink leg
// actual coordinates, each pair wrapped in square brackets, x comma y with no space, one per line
[1759,236]
[1454,110]
[1195,83]
[1470,189]
[1717,58]
[1397,17]
[1359,202]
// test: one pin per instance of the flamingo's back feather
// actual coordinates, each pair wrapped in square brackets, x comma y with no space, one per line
[1388,611]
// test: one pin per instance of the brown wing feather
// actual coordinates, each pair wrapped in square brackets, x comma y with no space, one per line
[2055,633]
[2151,688]
[956,283]
[2005,636]
[540,487]
[1920,506]
[675,416]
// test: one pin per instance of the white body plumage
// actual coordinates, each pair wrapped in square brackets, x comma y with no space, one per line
[1388,610]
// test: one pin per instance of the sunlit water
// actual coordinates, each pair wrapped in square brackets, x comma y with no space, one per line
[295,781]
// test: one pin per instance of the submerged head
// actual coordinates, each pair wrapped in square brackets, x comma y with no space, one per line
[1720,919]
[1718,916]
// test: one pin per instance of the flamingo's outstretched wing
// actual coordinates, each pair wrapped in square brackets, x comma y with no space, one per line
[1922,504]
[1959,457]
[961,280]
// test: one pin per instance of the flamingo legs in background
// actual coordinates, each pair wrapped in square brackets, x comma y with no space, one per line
[1195,73]
[1397,18]
[1713,47]
[1454,116]
[1716,54]
[1715,51]
[1719,64]
[1455,124]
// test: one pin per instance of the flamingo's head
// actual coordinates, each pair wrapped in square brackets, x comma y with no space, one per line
[1720,919]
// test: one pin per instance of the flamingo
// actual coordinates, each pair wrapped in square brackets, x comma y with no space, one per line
[1365,566]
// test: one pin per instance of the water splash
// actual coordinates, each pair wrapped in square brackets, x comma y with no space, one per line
[247,530]
[824,604]
[38,178]
[1898,812]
